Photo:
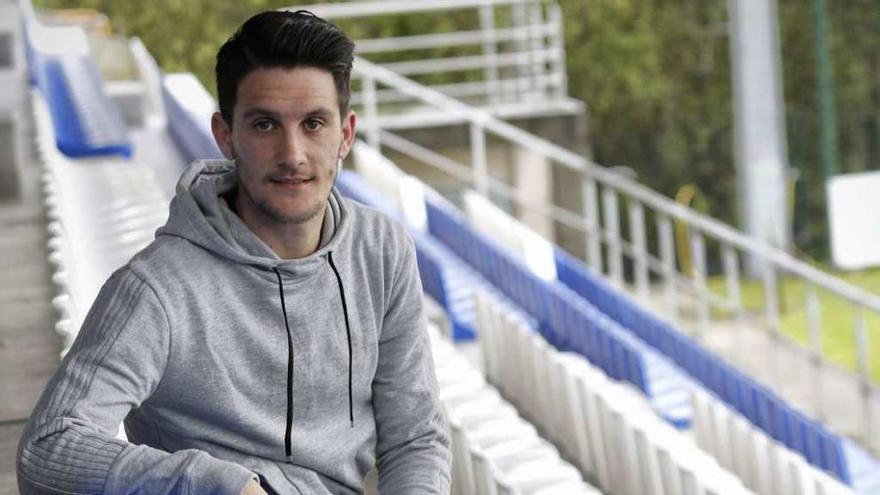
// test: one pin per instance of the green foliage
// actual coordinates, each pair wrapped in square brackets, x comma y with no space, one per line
[657,81]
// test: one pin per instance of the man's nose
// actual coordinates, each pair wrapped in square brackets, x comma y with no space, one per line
[292,149]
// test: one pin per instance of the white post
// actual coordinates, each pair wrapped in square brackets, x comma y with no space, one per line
[734,297]
[478,159]
[698,250]
[533,176]
[371,112]
[667,256]
[759,122]
[487,25]
[814,328]
[612,235]
[640,250]
[592,228]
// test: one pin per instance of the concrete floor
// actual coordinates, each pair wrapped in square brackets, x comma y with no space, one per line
[29,346]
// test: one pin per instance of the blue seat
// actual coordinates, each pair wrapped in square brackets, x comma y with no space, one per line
[192,136]
[86,121]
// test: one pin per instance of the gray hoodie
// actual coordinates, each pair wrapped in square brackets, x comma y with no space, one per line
[228,363]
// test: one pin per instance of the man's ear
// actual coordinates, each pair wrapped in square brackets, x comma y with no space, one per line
[222,135]
[349,124]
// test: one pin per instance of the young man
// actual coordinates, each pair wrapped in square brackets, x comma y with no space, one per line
[270,340]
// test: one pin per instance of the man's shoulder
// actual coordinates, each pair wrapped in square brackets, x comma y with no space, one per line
[163,256]
[376,227]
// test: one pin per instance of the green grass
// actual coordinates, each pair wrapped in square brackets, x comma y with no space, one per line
[837,315]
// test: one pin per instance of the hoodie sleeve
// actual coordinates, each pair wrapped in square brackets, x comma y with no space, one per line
[413,446]
[116,362]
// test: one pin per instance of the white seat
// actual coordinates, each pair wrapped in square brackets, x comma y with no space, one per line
[760,462]
[532,476]
[491,462]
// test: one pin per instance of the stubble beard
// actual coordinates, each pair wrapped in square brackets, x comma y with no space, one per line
[276,215]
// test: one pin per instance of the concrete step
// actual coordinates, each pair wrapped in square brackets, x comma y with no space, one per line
[28,358]
[9,435]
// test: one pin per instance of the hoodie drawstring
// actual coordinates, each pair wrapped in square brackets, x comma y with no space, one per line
[287,433]
[347,333]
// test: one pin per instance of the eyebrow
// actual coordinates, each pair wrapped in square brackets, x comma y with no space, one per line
[263,112]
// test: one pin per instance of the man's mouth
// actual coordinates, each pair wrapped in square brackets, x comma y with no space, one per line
[290,181]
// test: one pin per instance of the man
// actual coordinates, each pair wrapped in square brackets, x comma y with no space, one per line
[270,339]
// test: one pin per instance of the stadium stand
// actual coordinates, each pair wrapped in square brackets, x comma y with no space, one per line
[613,387]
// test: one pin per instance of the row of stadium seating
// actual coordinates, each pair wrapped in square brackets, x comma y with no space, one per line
[624,340]
[85,120]
[494,450]
[607,427]
[764,465]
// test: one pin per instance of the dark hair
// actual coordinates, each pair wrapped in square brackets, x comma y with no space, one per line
[283,39]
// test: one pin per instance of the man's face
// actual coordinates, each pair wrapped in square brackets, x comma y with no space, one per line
[286,138]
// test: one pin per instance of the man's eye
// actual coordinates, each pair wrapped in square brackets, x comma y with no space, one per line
[314,124]
[263,125]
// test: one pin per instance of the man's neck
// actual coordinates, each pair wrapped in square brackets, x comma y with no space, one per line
[293,241]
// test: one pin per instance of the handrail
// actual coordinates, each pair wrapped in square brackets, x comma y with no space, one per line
[385,7]
[501,50]
[573,161]
[443,40]
[607,229]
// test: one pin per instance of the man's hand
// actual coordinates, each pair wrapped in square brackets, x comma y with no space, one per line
[253,488]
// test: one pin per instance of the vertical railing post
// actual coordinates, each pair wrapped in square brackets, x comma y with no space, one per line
[814,329]
[490,49]
[667,256]
[537,66]
[771,314]
[520,23]
[371,112]
[478,159]
[863,367]
[558,45]
[640,250]
[612,234]
[698,250]
[734,296]
[592,229]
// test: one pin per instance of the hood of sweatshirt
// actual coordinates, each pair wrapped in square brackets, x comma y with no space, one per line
[200,214]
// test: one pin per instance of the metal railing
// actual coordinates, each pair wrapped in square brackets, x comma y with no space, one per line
[503,53]
[651,266]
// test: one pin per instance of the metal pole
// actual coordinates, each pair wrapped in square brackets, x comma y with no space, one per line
[612,235]
[698,254]
[863,368]
[478,159]
[667,256]
[825,85]
[487,25]
[734,297]
[762,157]
[814,328]
[371,113]
[592,229]
[640,251]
